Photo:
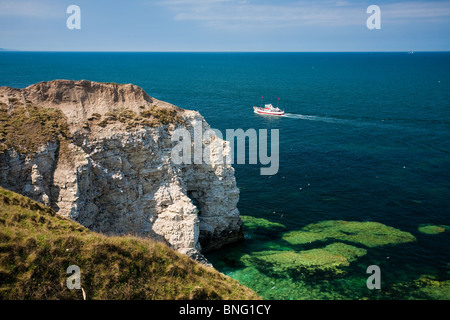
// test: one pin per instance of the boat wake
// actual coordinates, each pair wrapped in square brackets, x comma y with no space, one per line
[385,124]
[315,118]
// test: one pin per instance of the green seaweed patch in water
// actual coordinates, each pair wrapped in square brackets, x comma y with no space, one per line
[286,288]
[426,287]
[351,253]
[307,262]
[370,234]
[252,223]
[433,229]
[328,259]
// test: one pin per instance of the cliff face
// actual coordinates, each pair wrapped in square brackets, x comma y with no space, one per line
[111,169]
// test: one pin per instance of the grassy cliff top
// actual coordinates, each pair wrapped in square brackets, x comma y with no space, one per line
[83,103]
[37,246]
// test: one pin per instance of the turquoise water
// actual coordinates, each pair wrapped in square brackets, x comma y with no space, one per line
[366,138]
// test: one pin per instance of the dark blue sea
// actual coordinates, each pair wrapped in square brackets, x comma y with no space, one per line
[366,138]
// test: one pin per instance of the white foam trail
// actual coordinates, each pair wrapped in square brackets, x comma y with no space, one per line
[352,122]
[315,118]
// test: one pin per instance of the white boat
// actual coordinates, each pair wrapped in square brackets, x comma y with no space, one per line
[269,110]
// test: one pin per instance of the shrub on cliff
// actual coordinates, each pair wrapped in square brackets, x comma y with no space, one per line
[162,115]
[153,116]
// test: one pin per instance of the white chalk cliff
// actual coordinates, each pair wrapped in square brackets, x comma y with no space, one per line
[120,178]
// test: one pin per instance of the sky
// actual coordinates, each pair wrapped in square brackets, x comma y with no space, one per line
[225,25]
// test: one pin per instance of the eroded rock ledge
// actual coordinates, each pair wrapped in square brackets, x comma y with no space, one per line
[106,163]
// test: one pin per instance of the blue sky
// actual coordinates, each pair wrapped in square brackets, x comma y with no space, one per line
[225,25]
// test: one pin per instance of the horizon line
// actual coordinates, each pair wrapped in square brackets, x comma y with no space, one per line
[237,51]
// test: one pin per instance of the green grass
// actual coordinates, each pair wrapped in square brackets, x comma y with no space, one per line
[26,128]
[37,246]
[153,116]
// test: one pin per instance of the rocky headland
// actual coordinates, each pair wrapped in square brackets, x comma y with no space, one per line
[100,154]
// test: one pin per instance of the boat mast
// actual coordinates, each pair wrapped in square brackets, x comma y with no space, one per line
[278,102]
[261,102]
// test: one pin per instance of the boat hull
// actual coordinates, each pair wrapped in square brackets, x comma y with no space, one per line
[266,112]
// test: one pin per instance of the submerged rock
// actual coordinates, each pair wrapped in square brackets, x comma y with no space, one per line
[307,260]
[370,234]
[425,287]
[351,253]
[329,259]
[433,229]
[253,223]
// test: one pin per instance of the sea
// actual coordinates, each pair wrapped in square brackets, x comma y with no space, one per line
[365,138]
